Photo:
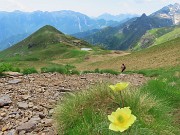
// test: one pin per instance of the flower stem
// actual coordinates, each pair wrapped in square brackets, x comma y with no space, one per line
[122,99]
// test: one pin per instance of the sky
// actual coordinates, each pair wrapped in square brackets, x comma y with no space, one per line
[91,8]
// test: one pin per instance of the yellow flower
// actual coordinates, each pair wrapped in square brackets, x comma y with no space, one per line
[119,86]
[121,120]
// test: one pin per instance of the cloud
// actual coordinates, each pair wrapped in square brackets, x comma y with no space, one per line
[10,5]
[89,7]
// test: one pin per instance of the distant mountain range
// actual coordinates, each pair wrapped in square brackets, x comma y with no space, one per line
[15,26]
[126,36]
[119,18]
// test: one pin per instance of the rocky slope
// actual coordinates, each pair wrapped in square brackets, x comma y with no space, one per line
[171,12]
[27,102]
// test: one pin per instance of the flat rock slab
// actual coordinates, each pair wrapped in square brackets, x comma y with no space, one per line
[22,105]
[28,126]
[15,81]
[5,100]
[9,73]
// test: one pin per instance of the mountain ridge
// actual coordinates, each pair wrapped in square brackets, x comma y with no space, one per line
[25,23]
[119,17]
[126,36]
[171,11]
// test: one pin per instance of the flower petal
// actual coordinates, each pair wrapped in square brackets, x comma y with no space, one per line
[111,118]
[113,127]
[132,119]
[122,129]
[112,87]
[121,86]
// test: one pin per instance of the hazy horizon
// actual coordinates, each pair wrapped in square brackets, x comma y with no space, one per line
[87,7]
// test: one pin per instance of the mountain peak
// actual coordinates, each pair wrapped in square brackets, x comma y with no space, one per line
[175,5]
[143,15]
[171,12]
[49,28]
[45,38]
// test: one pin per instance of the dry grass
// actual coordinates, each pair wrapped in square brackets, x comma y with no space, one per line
[155,57]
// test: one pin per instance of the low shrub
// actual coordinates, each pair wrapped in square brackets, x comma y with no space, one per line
[75,72]
[110,71]
[67,69]
[59,69]
[87,71]
[29,70]
[97,70]
[32,59]
[7,67]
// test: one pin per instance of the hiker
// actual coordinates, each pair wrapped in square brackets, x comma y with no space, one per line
[123,67]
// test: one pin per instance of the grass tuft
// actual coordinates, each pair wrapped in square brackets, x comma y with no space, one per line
[29,71]
[97,70]
[154,105]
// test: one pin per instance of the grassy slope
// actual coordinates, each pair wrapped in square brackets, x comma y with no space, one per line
[44,46]
[163,55]
[169,36]
[158,36]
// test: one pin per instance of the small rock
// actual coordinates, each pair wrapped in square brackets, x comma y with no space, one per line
[5,100]
[35,119]
[28,126]
[51,111]
[64,90]
[83,78]
[22,105]
[25,119]
[31,104]
[12,132]
[4,128]
[47,122]
[25,97]
[3,114]
[22,132]
[15,81]
[35,108]
[41,115]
